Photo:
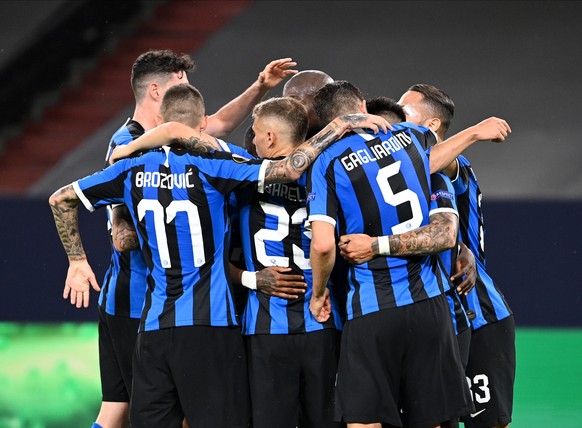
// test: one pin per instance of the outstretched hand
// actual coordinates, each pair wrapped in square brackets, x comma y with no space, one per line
[277,281]
[276,71]
[80,279]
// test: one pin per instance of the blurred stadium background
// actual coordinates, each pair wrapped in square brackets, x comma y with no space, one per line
[65,70]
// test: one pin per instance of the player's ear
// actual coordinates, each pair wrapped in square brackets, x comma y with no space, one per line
[159,119]
[362,107]
[204,122]
[154,91]
[434,124]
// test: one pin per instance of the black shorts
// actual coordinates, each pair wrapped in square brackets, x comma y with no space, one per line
[117,337]
[292,378]
[196,372]
[491,374]
[402,366]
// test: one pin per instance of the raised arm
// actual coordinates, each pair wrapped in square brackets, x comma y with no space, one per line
[291,167]
[230,116]
[443,154]
[80,277]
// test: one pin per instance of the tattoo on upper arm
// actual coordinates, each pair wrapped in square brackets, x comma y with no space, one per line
[196,144]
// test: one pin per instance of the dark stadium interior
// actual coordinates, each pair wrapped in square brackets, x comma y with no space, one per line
[517,60]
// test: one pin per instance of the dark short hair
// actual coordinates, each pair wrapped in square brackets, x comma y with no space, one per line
[336,99]
[386,107]
[157,64]
[289,111]
[439,103]
[183,103]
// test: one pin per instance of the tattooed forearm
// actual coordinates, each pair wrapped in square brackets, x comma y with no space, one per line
[439,235]
[125,237]
[291,167]
[64,207]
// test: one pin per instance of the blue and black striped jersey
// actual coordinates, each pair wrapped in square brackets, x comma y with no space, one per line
[443,200]
[178,203]
[124,285]
[486,300]
[379,185]
[272,227]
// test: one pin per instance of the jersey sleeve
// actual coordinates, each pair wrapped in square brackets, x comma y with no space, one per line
[322,203]
[234,149]
[461,181]
[228,172]
[442,197]
[102,188]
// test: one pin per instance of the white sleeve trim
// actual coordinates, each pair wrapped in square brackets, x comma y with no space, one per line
[444,210]
[222,144]
[457,172]
[261,182]
[82,197]
[319,217]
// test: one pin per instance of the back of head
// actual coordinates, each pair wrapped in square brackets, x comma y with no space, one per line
[157,66]
[289,112]
[336,99]
[306,82]
[303,86]
[438,104]
[183,103]
[386,107]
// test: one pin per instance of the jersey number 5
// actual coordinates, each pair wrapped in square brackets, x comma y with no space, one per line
[399,198]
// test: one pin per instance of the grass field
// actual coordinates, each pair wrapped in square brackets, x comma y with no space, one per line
[49,377]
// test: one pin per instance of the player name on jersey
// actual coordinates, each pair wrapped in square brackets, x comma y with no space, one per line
[163,180]
[291,192]
[380,150]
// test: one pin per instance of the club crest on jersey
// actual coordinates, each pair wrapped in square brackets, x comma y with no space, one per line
[441,194]
[311,196]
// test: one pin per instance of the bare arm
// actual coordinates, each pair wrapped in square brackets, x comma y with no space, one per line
[443,154]
[231,115]
[165,134]
[439,235]
[291,167]
[274,281]
[123,232]
[322,258]
[465,266]
[80,277]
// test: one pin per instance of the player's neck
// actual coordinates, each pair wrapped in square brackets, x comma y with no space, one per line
[146,115]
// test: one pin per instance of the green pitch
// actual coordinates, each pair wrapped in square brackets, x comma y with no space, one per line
[49,377]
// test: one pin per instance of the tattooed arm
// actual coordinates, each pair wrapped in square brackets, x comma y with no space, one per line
[80,277]
[123,232]
[166,134]
[291,167]
[439,235]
